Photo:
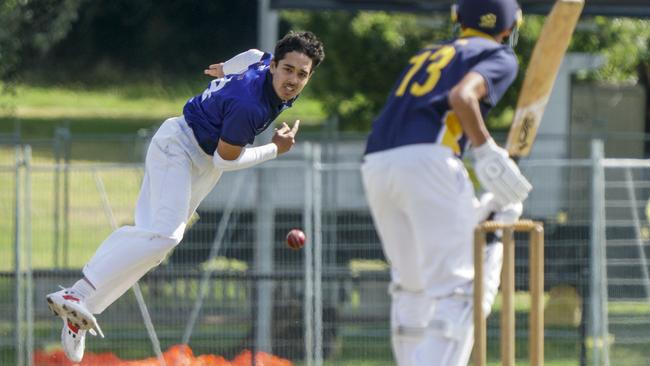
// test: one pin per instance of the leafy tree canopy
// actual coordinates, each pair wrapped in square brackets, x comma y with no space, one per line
[366,51]
[31,28]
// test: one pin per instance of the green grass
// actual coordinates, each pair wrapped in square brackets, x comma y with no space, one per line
[131,102]
[123,108]
[88,222]
[100,118]
[629,308]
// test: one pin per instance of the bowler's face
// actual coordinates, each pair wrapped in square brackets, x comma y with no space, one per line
[291,74]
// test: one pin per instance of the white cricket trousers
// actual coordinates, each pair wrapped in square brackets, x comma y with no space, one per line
[178,176]
[421,201]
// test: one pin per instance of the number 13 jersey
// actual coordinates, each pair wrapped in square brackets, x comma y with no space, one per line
[417,110]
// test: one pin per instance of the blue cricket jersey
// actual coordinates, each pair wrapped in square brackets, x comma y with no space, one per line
[417,110]
[235,108]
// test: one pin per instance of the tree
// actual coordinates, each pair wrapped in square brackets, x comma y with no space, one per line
[624,43]
[367,50]
[30,28]
[149,40]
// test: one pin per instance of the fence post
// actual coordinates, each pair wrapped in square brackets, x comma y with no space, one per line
[18,274]
[318,256]
[308,251]
[598,259]
[263,259]
[330,155]
[142,144]
[27,238]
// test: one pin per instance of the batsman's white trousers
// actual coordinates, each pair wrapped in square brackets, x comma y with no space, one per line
[178,176]
[421,201]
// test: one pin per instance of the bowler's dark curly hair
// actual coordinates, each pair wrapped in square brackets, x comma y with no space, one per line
[303,42]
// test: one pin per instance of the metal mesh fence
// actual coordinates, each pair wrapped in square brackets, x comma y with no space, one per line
[233,284]
[627,285]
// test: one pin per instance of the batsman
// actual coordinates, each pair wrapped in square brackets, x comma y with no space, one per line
[420,196]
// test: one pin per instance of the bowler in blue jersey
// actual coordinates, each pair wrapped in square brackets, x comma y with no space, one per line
[186,157]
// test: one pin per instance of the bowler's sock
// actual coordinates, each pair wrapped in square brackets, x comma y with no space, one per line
[83,288]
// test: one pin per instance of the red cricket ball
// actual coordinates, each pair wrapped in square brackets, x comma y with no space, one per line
[296,239]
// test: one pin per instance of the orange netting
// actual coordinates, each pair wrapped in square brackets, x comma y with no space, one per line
[178,355]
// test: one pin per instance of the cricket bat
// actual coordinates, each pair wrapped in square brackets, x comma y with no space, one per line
[541,74]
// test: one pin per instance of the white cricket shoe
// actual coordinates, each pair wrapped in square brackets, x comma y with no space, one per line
[73,340]
[77,320]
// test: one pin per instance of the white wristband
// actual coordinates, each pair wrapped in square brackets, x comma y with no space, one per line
[242,61]
[487,147]
[249,157]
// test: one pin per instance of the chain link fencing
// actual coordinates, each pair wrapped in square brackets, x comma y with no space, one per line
[234,285]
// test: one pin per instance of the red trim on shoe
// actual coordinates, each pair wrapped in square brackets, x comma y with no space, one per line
[72,327]
[71,298]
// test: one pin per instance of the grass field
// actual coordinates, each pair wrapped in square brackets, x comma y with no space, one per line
[122,108]
[88,223]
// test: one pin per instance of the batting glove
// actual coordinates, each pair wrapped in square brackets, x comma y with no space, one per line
[499,174]
[509,214]
[486,206]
